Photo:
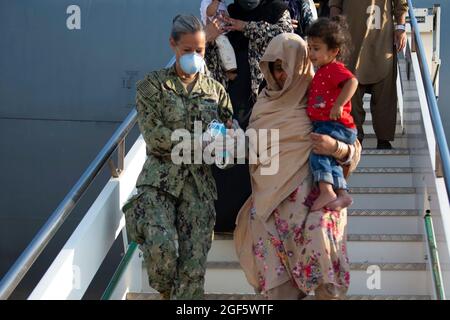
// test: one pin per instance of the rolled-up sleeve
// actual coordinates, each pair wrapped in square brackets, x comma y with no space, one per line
[400,8]
[150,120]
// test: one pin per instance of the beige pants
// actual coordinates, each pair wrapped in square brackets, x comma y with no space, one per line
[289,291]
[383,106]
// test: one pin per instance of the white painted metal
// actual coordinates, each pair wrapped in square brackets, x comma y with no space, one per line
[359,251]
[380,179]
[391,282]
[75,266]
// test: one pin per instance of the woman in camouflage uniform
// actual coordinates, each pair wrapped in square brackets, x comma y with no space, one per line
[172,215]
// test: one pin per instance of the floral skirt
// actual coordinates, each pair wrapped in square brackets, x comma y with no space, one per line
[294,244]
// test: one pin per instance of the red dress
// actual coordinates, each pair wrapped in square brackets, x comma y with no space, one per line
[324,91]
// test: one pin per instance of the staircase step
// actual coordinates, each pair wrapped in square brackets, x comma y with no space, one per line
[353,266]
[408,115]
[382,190]
[400,140]
[408,128]
[374,158]
[383,198]
[388,248]
[395,279]
[382,177]
[236,296]
[382,213]
[385,224]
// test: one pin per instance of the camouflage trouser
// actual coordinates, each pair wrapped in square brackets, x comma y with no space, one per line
[175,236]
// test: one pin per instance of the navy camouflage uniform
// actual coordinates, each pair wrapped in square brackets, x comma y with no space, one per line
[172,215]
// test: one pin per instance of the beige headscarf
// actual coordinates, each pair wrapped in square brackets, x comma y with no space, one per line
[285,110]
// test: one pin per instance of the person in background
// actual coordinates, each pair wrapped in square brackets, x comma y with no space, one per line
[303,13]
[377,28]
[324,9]
[215,9]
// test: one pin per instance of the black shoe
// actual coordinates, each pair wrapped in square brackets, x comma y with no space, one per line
[384,145]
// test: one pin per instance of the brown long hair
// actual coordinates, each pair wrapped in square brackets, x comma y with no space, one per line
[334,33]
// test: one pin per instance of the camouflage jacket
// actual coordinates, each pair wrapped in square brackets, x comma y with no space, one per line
[163,105]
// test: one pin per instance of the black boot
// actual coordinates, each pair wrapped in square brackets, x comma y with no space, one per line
[384,144]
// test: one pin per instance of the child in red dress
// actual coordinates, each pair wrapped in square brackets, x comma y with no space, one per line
[329,105]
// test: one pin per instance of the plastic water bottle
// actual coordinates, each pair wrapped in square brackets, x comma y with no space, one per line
[216,128]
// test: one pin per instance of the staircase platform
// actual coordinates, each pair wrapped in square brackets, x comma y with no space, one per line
[221,296]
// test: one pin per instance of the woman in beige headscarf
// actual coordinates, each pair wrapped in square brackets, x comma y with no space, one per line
[287,251]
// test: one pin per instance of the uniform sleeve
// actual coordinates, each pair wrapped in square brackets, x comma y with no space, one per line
[225,107]
[400,8]
[340,74]
[264,31]
[150,120]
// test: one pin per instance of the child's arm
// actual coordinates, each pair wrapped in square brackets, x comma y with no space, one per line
[212,8]
[348,90]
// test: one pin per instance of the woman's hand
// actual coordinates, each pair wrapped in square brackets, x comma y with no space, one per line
[323,144]
[234,24]
[213,30]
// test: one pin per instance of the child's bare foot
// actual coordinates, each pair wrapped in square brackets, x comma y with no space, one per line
[343,201]
[231,75]
[326,196]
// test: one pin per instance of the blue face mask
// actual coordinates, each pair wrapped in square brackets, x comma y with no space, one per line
[191,63]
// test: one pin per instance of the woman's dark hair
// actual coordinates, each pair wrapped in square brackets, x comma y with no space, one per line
[184,24]
[334,33]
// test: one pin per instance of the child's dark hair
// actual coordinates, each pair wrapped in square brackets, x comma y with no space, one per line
[334,33]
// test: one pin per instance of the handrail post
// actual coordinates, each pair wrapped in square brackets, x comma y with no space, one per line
[117,170]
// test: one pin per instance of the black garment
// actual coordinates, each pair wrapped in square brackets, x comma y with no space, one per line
[324,9]
[300,10]
[233,185]
[268,10]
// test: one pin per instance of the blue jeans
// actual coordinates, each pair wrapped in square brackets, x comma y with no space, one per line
[326,168]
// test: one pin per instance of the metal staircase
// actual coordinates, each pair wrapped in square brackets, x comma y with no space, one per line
[394,253]
[385,232]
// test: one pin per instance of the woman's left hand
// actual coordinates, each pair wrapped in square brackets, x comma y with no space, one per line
[233,24]
[323,144]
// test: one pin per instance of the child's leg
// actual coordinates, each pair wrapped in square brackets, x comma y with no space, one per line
[227,54]
[326,196]
[322,173]
[343,200]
